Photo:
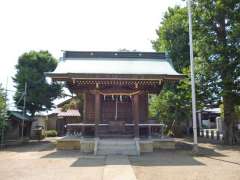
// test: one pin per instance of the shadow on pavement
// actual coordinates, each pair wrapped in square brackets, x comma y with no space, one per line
[159,158]
[214,144]
[31,146]
[89,162]
[65,154]
[222,160]
[182,156]
[166,158]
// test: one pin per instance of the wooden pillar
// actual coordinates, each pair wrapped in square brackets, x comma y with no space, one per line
[84,113]
[136,115]
[150,132]
[97,112]
[84,107]
[146,107]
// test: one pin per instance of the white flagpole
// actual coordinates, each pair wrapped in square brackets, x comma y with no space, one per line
[195,144]
[24,109]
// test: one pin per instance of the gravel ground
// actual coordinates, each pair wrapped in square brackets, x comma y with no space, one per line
[40,160]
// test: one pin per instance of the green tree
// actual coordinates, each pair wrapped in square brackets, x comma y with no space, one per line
[217,32]
[30,69]
[173,37]
[75,103]
[174,102]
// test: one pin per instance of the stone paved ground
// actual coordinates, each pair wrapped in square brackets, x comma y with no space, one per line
[37,161]
[214,162]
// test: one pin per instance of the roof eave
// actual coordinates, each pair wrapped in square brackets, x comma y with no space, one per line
[66,76]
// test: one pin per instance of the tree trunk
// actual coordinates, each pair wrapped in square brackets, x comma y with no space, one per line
[229,122]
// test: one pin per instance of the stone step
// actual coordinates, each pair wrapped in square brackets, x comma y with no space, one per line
[109,136]
[108,152]
[116,143]
[114,152]
[116,146]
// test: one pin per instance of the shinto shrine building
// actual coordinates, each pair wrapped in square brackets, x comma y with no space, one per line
[115,87]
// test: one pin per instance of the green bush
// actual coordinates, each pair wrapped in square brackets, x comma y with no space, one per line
[41,136]
[51,133]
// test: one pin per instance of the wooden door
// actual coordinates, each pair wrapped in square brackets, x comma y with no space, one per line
[118,111]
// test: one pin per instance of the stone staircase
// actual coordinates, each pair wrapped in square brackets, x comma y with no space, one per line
[117,146]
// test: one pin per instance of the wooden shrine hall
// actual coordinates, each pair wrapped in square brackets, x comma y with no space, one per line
[115,88]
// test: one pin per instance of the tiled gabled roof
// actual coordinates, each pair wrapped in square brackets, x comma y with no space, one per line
[126,63]
[68,113]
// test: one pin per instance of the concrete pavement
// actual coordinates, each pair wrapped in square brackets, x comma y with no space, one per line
[118,167]
[40,160]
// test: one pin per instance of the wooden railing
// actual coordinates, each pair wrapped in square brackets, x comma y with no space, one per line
[146,129]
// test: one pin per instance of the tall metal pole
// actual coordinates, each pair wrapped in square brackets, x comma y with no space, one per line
[195,144]
[24,107]
[3,128]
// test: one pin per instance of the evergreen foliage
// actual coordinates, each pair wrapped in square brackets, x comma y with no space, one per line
[30,69]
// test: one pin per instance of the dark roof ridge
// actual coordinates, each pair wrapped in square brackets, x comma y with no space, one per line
[113,54]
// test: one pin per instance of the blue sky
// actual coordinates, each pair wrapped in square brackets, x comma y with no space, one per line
[57,25]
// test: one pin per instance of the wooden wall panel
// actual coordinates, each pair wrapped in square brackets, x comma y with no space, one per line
[108,109]
[90,108]
[143,107]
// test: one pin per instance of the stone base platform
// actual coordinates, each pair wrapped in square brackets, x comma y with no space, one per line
[75,143]
[89,145]
[150,145]
[67,143]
